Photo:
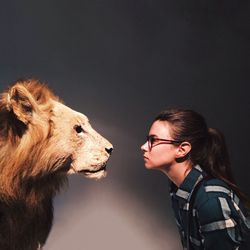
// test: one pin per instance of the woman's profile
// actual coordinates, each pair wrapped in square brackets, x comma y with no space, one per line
[209,208]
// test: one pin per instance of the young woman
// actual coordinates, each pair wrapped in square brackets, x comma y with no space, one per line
[208,205]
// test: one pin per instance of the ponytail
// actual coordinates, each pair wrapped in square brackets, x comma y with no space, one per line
[217,162]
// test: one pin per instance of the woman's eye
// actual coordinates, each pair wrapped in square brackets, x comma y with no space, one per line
[152,140]
[78,129]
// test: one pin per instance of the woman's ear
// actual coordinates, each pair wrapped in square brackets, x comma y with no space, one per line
[183,150]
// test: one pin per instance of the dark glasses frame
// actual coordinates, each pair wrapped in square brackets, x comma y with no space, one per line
[151,139]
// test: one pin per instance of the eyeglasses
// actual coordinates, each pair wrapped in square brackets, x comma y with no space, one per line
[151,139]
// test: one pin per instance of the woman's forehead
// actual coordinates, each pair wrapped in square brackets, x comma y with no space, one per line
[160,128]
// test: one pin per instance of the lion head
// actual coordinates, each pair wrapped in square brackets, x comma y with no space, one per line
[40,136]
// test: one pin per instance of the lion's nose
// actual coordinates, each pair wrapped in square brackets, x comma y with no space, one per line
[109,150]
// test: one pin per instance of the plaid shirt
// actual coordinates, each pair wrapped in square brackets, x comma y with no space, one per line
[218,218]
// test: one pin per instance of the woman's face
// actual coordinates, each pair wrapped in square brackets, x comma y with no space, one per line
[160,154]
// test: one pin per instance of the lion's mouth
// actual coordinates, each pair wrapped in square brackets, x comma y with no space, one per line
[89,172]
[95,174]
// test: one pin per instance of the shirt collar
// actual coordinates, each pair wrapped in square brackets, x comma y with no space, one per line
[194,176]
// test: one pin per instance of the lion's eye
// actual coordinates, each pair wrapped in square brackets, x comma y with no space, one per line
[79,129]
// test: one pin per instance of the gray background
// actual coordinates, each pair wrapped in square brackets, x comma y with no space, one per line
[120,62]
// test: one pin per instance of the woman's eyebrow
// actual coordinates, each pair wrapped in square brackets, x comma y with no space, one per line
[153,135]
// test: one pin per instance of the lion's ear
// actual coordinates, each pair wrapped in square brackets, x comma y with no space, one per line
[21,102]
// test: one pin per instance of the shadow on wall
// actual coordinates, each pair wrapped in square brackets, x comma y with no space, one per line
[108,218]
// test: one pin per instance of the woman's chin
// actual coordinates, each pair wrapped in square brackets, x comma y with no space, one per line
[148,166]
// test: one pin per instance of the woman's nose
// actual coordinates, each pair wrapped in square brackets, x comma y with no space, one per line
[144,147]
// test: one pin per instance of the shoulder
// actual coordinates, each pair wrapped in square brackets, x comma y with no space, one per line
[215,201]
[210,190]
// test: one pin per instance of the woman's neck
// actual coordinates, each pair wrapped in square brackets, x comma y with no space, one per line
[177,172]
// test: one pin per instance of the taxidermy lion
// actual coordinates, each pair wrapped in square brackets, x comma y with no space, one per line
[41,141]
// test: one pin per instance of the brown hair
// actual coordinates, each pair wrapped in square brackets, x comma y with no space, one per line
[209,148]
